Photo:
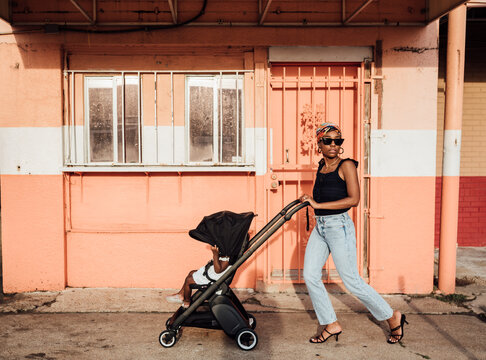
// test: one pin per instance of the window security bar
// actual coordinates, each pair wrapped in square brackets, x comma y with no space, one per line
[113,100]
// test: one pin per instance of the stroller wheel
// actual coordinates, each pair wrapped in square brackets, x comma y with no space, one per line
[246,339]
[252,321]
[167,338]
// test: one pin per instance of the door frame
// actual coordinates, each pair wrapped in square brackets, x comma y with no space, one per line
[361,126]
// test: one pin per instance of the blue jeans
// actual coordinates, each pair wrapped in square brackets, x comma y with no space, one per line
[335,234]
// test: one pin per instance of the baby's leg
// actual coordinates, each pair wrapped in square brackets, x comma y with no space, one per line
[186,291]
[181,291]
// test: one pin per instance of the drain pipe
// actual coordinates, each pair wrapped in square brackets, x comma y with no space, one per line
[456,39]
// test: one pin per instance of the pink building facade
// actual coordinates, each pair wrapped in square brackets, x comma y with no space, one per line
[114,146]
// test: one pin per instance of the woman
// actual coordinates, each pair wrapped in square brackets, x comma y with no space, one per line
[336,190]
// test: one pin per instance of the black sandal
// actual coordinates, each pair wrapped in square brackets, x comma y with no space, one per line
[320,339]
[397,337]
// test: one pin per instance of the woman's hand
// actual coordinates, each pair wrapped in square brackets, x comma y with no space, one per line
[215,250]
[309,199]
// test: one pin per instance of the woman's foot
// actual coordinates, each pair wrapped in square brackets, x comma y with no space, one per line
[329,331]
[396,323]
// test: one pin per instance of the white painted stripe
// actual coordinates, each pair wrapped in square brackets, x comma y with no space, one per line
[149,144]
[403,153]
[30,150]
[319,53]
[255,141]
[260,150]
[74,144]
[170,151]
[39,150]
[451,165]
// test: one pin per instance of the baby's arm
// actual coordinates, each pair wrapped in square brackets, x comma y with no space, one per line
[219,265]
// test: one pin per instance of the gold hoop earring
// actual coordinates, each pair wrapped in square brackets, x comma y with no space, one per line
[341,152]
[319,150]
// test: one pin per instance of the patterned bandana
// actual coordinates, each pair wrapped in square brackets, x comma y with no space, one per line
[324,128]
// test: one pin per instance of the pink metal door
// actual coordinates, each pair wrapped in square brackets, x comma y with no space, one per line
[300,98]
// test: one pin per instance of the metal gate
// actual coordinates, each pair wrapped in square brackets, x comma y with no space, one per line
[300,97]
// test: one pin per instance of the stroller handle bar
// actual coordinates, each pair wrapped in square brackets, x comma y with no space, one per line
[272,222]
[258,240]
[295,209]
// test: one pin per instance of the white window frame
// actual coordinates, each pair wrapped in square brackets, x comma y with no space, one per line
[218,83]
[101,82]
[77,152]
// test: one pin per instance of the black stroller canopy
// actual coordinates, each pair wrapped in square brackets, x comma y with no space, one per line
[225,229]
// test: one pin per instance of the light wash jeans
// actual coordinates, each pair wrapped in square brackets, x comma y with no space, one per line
[335,234]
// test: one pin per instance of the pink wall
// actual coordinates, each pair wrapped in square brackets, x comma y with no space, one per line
[131,230]
[401,248]
[34,74]
[33,237]
[33,244]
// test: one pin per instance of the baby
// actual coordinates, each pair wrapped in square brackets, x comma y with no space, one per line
[204,275]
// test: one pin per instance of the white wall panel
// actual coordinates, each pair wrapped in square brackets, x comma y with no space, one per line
[260,151]
[169,151]
[30,150]
[403,153]
[74,144]
[319,53]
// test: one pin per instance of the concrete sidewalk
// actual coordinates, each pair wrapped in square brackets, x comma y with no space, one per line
[153,301]
[125,323]
[470,297]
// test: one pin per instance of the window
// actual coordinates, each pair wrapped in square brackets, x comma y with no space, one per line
[172,120]
[214,119]
[112,119]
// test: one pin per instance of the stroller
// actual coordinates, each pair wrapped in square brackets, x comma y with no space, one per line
[215,306]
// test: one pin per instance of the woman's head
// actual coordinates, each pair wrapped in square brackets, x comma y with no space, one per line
[329,139]
[323,129]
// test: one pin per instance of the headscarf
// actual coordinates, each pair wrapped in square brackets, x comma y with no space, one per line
[324,128]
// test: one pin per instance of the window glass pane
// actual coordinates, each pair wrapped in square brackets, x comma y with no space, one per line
[214,119]
[232,125]
[131,119]
[100,98]
[201,123]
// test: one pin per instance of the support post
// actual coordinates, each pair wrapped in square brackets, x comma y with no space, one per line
[452,149]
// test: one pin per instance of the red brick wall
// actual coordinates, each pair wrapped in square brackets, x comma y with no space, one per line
[472,211]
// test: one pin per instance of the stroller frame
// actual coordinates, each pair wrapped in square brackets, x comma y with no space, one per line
[225,310]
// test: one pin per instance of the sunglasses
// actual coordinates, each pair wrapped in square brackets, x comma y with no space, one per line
[328,141]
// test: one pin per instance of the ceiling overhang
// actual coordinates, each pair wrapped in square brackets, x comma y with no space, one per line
[97,15]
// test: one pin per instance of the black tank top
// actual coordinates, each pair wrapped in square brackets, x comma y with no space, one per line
[330,187]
